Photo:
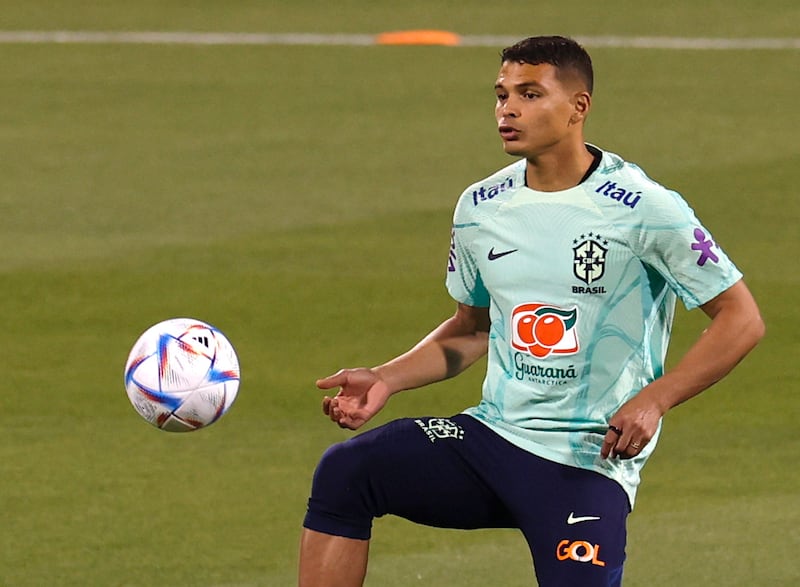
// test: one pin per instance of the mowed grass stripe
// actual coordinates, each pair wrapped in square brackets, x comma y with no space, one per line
[237,38]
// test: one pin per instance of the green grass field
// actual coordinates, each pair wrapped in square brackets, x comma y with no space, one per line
[299,198]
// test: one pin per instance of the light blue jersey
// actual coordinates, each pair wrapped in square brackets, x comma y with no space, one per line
[581,286]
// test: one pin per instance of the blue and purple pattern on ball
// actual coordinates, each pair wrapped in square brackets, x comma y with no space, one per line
[182,374]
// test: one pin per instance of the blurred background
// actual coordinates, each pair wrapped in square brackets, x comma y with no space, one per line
[299,198]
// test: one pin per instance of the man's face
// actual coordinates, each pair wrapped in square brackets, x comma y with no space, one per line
[535,110]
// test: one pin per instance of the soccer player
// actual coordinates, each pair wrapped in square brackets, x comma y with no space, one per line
[565,267]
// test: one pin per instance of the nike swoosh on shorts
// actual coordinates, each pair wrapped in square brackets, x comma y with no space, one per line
[573,519]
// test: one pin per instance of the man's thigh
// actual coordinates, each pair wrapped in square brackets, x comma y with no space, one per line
[574,521]
[412,468]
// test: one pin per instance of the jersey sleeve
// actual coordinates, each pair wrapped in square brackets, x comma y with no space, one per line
[463,279]
[672,240]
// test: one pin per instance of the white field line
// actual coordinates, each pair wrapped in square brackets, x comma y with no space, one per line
[201,38]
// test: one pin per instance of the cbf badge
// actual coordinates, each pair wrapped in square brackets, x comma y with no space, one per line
[589,261]
[440,428]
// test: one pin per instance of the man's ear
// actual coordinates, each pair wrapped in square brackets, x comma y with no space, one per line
[582,103]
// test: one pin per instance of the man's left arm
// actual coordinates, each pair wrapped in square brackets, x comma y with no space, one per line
[736,327]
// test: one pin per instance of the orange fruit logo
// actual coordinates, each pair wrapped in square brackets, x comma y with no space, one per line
[542,329]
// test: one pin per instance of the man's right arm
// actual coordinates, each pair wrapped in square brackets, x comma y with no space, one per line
[448,350]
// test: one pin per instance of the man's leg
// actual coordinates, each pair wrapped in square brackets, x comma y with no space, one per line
[331,561]
[410,468]
[579,538]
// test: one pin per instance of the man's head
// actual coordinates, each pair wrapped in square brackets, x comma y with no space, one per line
[567,56]
[543,92]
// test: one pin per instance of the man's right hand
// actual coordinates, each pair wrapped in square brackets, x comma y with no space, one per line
[362,394]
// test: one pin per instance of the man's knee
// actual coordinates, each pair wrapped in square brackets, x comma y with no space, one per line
[339,502]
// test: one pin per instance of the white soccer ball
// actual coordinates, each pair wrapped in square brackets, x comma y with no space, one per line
[182,374]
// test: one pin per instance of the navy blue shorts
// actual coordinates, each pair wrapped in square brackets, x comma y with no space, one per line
[458,473]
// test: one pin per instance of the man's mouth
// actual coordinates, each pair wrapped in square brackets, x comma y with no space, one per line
[508,133]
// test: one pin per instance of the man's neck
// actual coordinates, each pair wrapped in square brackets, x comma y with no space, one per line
[557,171]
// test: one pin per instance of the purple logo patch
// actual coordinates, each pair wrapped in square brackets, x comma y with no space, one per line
[703,245]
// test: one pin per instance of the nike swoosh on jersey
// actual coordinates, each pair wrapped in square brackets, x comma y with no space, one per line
[493,255]
[573,519]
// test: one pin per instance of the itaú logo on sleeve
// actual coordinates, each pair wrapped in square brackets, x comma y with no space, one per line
[543,329]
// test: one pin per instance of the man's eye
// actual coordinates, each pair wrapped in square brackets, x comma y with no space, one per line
[530,95]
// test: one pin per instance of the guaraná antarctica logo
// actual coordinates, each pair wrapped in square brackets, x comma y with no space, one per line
[540,331]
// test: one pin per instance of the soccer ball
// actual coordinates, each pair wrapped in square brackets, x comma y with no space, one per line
[182,374]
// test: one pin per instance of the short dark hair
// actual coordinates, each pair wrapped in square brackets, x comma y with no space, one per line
[561,52]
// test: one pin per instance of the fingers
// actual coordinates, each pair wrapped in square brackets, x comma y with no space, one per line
[330,407]
[609,442]
[355,391]
[621,443]
[336,380]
